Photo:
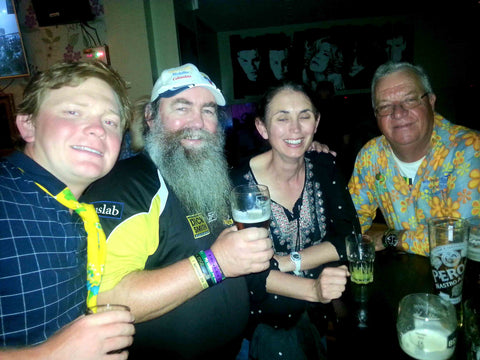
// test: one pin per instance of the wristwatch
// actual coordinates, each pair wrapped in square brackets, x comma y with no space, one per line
[297,260]
[390,239]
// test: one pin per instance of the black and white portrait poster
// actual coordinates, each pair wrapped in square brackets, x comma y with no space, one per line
[258,62]
[345,56]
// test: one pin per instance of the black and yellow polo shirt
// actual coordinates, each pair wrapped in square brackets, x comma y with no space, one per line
[147,228]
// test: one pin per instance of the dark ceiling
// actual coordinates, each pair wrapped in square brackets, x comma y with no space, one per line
[232,15]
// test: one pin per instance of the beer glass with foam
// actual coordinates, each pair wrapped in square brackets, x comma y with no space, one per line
[426,327]
[251,206]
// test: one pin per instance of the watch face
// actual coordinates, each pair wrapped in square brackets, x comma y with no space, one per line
[391,240]
[295,256]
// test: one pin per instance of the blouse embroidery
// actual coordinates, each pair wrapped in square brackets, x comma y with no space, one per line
[308,214]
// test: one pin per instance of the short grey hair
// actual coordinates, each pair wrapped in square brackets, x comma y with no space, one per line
[393,67]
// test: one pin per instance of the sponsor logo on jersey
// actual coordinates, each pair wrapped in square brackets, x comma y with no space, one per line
[199,225]
[109,209]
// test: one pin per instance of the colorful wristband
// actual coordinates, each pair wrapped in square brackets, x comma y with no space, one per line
[209,266]
[217,271]
[198,272]
[204,267]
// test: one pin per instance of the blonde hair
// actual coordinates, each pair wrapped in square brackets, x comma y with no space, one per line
[73,74]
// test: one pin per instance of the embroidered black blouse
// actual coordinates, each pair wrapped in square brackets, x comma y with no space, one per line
[324,212]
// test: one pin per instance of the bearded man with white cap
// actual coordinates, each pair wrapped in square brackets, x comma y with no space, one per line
[172,254]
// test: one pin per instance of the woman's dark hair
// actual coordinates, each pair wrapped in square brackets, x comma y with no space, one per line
[264,103]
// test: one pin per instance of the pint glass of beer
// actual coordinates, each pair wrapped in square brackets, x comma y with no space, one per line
[472,271]
[448,238]
[251,206]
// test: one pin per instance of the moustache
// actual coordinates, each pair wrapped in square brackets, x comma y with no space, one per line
[208,138]
[192,134]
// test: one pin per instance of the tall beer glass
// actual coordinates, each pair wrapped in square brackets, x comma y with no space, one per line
[448,238]
[472,272]
[251,206]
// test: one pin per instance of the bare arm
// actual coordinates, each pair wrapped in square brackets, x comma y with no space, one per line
[150,294]
[312,257]
[329,285]
[376,232]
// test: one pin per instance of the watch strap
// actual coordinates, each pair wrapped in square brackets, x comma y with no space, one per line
[296,258]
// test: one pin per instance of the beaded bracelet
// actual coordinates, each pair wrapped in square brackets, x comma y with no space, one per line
[198,272]
[217,271]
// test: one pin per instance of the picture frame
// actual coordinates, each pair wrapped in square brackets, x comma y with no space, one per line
[8,132]
[13,59]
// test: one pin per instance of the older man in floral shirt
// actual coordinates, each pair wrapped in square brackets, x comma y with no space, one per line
[423,166]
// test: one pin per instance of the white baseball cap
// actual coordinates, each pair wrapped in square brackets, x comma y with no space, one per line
[175,80]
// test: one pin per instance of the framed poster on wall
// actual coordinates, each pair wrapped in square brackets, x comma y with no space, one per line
[346,56]
[258,62]
[13,61]
[7,123]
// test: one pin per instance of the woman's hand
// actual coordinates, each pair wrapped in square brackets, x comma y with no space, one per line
[331,283]
[316,146]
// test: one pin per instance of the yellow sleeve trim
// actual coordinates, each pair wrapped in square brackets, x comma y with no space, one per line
[130,244]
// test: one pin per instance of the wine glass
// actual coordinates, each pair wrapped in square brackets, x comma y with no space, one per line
[426,327]
[250,206]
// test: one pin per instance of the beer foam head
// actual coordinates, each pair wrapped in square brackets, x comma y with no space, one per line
[251,216]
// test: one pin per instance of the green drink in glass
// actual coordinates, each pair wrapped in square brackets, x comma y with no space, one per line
[361,255]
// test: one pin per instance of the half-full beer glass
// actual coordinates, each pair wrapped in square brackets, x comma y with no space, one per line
[448,238]
[251,206]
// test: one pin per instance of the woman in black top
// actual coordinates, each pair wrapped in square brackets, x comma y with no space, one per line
[312,212]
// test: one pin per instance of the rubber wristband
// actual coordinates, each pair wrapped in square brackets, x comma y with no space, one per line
[217,271]
[206,272]
[198,272]
[207,263]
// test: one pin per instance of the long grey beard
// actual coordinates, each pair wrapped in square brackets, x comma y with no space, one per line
[198,176]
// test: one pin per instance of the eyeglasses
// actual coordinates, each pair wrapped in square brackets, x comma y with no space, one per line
[407,104]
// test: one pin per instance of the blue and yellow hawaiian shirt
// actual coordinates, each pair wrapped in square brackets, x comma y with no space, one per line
[447,184]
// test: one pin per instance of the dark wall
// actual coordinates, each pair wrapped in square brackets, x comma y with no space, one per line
[446,45]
